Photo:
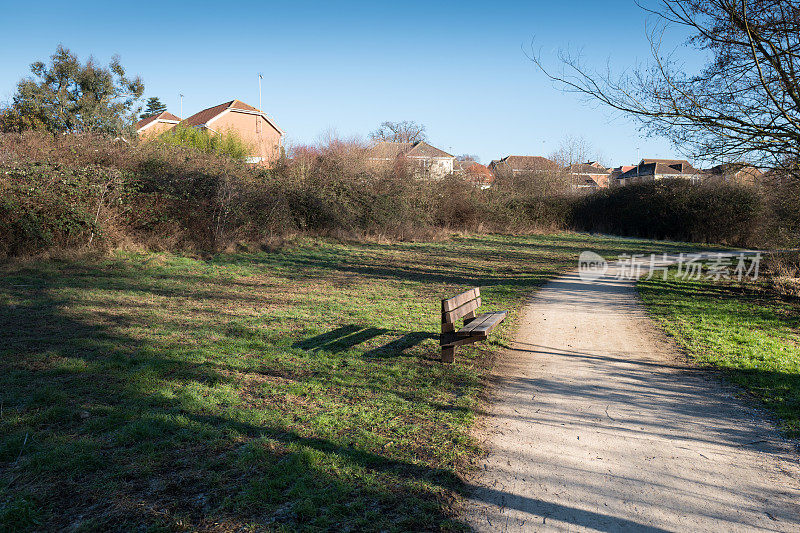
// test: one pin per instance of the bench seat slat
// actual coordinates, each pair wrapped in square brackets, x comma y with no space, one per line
[454,340]
[483,324]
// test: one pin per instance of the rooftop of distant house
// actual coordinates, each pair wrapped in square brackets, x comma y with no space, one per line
[202,118]
[590,167]
[164,116]
[651,167]
[390,150]
[525,163]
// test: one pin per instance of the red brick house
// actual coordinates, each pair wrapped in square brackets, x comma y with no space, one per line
[477,174]
[254,126]
[617,172]
[155,125]
[658,169]
[738,173]
[589,175]
[522,164]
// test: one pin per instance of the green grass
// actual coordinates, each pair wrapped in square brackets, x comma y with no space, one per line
[295,390]
[749,333]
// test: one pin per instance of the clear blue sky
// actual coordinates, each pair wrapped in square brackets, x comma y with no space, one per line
[456,67]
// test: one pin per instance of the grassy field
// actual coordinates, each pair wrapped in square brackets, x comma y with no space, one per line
[747,332]
[296,389]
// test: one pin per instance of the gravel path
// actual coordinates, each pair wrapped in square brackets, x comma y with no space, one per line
[598,425]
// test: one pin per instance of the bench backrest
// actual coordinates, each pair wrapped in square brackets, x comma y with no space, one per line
[460,306]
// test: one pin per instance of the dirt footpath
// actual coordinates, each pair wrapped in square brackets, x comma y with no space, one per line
[597,425]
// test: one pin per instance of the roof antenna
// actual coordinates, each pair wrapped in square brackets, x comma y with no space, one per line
[259,92]
[181,105]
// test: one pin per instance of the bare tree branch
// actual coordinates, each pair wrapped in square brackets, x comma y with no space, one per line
[743,105]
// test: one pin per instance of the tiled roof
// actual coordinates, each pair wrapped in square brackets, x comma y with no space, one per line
[423,149]
[732,168]
[164,115]
[527,163]
[479,173]
[653,167]
[668,161]
[392,150]
[389,150]
[682,166]
[587,168]
[203,117]
[238,104]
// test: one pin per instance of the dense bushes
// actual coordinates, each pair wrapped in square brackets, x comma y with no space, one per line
[46,205]
[66,191]
[225,143]
[676,210]
[70,191]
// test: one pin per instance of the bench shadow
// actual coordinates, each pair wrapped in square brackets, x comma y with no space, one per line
[349,336]
[400,345]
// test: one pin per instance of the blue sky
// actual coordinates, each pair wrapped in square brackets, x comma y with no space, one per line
[456,67]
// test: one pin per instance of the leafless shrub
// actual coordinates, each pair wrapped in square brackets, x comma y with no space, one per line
[74,191]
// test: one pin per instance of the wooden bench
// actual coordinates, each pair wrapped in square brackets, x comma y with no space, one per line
[476,327]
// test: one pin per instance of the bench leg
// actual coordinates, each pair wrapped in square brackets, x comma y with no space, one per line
[448,354]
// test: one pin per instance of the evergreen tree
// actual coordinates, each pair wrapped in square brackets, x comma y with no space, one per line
[70,96]
[154,107]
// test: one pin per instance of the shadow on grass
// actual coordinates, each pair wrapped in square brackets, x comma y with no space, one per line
[89,436]
[346,337]
[714,321]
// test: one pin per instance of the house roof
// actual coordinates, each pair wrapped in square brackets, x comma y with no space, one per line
[392,150]
[588,168]
[423,149]
[388,149]
[732,168]
[202,118]
[668,161]
[163,116]
[652,167]
[682,166]
[479,173]
[526,163]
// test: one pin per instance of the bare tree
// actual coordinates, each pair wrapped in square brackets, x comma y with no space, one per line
[572,150]
[406,131]
[744,104]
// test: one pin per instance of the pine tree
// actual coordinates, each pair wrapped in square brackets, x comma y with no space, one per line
[154,107]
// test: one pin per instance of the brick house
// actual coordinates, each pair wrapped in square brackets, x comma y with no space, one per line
[658,169]
[616,173]
[254,126]
[738,173]
[522,164]
[477,174]
[589,175]
[425,160]
[150,127]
